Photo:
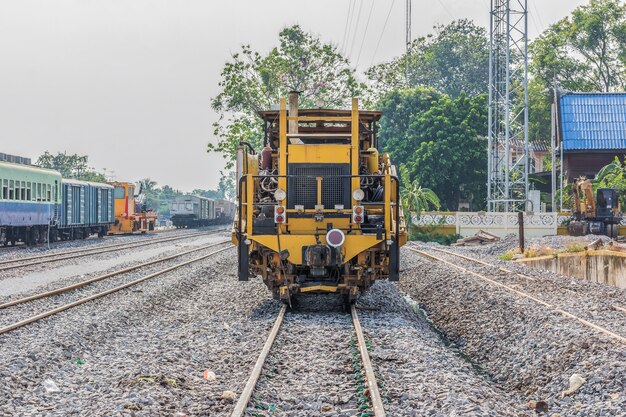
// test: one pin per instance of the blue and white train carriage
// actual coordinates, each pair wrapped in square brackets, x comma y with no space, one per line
[29,203]
[37,205]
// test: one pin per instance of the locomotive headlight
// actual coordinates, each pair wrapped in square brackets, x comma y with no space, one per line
[358,194]
[280,194]
[335,238]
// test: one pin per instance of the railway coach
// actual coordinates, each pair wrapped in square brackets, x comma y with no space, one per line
[319,209]
[29,203]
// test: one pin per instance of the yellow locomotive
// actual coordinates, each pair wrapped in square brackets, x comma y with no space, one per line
[131,215]
[319,209]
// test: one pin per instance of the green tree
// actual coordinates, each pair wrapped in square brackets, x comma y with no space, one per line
[252,81]
[70,166]
[416,198]
[453,60]
[440,141]
[166,195]
[226,186]
[582,52]
[585,51]
[151,193]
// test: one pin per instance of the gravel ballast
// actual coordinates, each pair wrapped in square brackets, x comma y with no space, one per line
[526,348]
[420,376]
[143,351]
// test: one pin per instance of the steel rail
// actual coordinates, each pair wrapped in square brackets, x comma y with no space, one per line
[59,309]
[101,277]
[69,252]
[508,271]
[370,377]
[526,295]
[246,394]
[92,251]
[519,274]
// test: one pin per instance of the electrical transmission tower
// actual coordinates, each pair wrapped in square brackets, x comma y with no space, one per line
[408,25]
[508,161]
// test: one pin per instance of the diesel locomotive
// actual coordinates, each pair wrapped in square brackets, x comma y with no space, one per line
[318,210]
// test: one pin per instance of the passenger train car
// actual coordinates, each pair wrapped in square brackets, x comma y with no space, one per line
[29,203]
[37,205]
[319,209]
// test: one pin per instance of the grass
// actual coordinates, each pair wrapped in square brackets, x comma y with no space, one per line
[536,252]
[509,255]
[573,248]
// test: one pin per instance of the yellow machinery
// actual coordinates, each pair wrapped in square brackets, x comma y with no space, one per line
[131,216]
[319,209]
[600,215]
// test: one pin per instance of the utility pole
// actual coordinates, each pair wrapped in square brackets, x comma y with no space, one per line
[507,186]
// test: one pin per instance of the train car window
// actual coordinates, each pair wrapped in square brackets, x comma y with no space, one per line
[28,194]
[23,191]
[11,190]
[38,191]
[48,192]
[32,186]
[5,189]
[120,192]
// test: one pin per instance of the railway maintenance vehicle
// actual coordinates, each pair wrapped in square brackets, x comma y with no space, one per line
[318,210]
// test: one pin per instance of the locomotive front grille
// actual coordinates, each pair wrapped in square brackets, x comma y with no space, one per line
[302,185]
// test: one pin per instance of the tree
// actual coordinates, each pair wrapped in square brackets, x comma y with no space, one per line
[252,81]
[416,198]
[453,60]
[439,140]
[226,186]
[149,188]
[70,166]
[585,51]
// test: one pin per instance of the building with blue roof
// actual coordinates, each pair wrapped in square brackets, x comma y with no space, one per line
[591,129]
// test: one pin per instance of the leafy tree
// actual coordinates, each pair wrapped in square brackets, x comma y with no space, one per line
[208,193]
[438,139]
[585,51]
[252,81]
[149,188]
[453,60]
[70,166]
[416,198]
[226,186]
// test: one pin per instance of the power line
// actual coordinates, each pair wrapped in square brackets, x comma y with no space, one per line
[356,27]
[345,29]
[365,33]
[446,9]
[380,38]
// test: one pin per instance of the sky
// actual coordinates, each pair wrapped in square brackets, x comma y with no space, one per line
[128,82]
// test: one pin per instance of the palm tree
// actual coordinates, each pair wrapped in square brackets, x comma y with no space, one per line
[417,199]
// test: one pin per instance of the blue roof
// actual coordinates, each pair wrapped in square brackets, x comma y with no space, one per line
[593,121]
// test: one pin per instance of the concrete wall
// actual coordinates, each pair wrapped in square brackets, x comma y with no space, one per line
[601,266]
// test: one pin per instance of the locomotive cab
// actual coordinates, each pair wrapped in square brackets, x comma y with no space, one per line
[318,209]
[131,216]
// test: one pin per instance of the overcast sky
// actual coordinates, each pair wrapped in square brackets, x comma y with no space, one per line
[128,82]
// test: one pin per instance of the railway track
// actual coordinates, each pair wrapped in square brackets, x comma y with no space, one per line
[47,313]
[524,286]
[244,403]
[9,264]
